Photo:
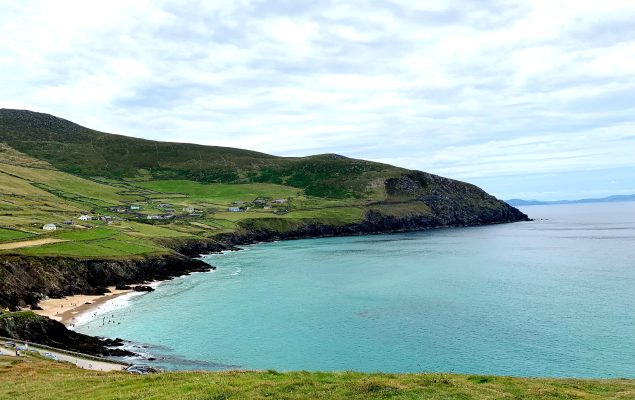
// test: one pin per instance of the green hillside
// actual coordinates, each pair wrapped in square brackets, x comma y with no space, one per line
[35,378]
[82,151]
[140,193]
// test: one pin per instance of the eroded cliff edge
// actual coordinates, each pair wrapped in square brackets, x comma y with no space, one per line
[25,280]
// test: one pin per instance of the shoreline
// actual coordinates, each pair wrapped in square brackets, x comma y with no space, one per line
[70,310]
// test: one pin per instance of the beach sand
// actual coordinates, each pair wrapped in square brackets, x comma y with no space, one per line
[66,309]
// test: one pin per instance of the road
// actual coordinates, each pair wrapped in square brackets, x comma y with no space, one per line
[93,365]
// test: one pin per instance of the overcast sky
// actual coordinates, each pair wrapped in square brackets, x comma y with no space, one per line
[530,99]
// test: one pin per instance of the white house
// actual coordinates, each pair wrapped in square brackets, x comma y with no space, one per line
[85,217]
[49,227]
[233,209]
[135,207]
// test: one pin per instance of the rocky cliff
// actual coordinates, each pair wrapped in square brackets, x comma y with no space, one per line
[25,325]
[26,280]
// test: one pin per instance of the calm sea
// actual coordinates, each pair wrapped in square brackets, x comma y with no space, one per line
[552,297]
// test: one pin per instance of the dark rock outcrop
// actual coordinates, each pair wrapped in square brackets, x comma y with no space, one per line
[25,280]
[27,326]
[143,288]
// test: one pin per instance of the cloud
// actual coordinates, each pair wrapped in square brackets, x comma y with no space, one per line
[476,90]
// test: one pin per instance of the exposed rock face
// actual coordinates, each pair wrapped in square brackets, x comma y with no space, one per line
[453,203]
[26,280]
[41,330]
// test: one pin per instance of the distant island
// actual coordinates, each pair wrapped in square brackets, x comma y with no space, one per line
[609,199]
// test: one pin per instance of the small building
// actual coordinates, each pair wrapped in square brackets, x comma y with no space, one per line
[188,209]
[267,207]
[233,209]
[85,217]
[68,222]
[121,209]
[260,201]
[49,227]
[105,218]
[280,201]
[151,217]
[135,207]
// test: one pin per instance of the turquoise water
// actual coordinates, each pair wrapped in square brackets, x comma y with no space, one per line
[552,297]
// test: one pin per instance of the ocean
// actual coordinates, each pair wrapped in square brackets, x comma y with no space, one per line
[551,297]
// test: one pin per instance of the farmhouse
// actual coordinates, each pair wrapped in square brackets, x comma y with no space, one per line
[85,217]
[233,209]
[49,227]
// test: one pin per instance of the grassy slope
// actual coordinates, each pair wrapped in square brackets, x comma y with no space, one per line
[39,379]
[33,193]
[52,170]
[75,149]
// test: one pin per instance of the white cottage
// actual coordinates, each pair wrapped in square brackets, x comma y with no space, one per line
[49,227]
[85,217]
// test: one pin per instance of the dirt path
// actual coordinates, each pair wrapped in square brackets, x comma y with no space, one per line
[29,243]
[94,365]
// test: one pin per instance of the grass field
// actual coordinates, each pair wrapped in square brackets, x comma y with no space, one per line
[220,193]
[34,193]
[106,243]
[10,234]
[38,379]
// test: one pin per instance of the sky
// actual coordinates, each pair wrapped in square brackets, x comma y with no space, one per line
[527,99]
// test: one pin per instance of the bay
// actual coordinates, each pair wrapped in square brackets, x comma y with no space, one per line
[551,297]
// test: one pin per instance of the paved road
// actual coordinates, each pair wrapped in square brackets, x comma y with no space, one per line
[79,362]
[6,352]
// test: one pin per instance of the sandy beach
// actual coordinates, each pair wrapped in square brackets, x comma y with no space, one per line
[67,309]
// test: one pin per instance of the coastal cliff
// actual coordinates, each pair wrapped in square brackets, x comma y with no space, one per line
[149,208]
[26,325]
[25,280]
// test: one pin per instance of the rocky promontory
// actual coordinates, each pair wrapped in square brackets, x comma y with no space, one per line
[27,326]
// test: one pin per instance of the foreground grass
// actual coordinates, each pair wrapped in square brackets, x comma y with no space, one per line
[40,379]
